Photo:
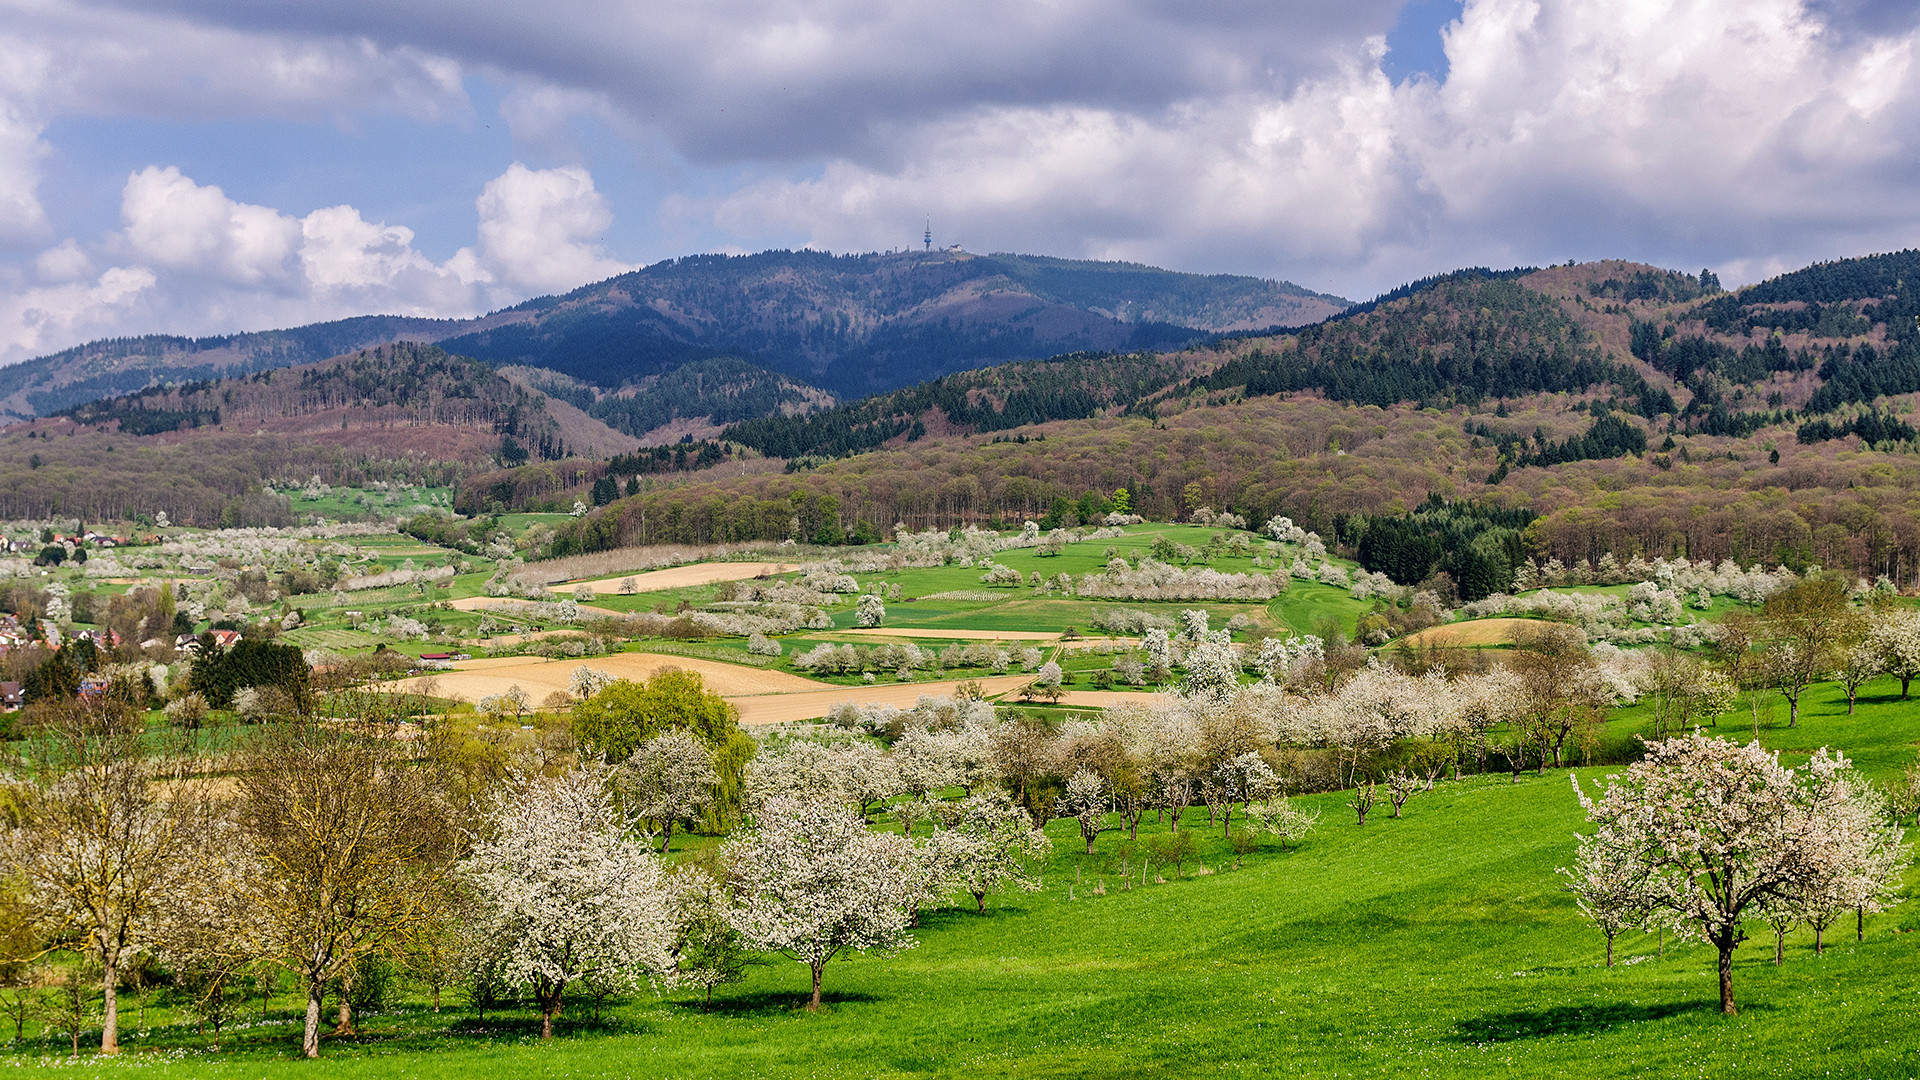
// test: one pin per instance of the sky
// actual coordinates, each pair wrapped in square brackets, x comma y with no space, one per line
[207,166]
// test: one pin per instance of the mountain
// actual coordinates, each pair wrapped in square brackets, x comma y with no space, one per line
[847,324]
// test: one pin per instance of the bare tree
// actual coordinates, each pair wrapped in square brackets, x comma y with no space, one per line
[105,837]
[346,847]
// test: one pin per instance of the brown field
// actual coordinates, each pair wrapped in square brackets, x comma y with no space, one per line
[762,697]
[472,680]
[1469,634]
[680,577]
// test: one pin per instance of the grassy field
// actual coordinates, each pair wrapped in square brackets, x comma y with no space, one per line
[1438,944]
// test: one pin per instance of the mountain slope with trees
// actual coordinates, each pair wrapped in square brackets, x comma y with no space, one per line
[852,324]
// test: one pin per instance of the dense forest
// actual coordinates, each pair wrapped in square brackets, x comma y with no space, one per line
[1475,545]
[722,390]
[1465,337]
[857,324]
[200,451]
[387,386]
[53,383]
[1071,387]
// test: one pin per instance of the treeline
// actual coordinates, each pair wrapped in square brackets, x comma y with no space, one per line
[1071,387]
[721,390]
[1685,357]
[1462,339]
[1660,286]
[1872,427]
[1477,546]
[1609,436]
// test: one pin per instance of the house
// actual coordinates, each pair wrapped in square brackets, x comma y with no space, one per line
[12,696]
[222,639]
[93,686]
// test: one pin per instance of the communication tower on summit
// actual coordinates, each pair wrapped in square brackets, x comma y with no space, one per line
[928,238]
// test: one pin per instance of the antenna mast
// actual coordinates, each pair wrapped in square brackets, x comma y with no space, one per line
[928,238]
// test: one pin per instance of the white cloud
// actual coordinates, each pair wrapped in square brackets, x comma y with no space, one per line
[1250,135]
[62,263]
[35,320]
[198,262]
[1661,129]
[174,223]
[539,230]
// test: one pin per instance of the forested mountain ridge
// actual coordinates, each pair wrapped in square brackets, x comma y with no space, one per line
[857,324]
[851,324]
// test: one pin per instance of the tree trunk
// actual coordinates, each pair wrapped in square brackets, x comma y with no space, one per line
[980,902]
[109,1004]
[1819,945]
[310,1039]
[546,1025]
[436,997]
[1860,924]
[1905,681]
[1089,839]
[1609,950]
[1726,979]
[814,1005]
[343,1021]
[1850,694]
[1779,946]
[666,836]
[1793,711]
[1228,830]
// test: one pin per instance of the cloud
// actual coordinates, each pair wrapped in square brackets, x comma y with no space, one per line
[193,260]
[37,319]
[539,229]
[792,80]
[1679,129]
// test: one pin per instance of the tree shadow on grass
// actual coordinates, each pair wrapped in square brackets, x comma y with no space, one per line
[1514,1026]
[967,915]
[772,1002]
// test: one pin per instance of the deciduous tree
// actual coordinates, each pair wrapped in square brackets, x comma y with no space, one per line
[563,896]
[812,882]
[1713,831]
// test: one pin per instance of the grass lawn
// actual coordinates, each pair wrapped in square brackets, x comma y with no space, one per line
[1439,944]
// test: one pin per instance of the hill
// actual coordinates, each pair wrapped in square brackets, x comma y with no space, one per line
[1619,403]
[851,325]
[201,451]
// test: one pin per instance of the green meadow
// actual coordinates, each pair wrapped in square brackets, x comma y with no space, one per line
[1437,944]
